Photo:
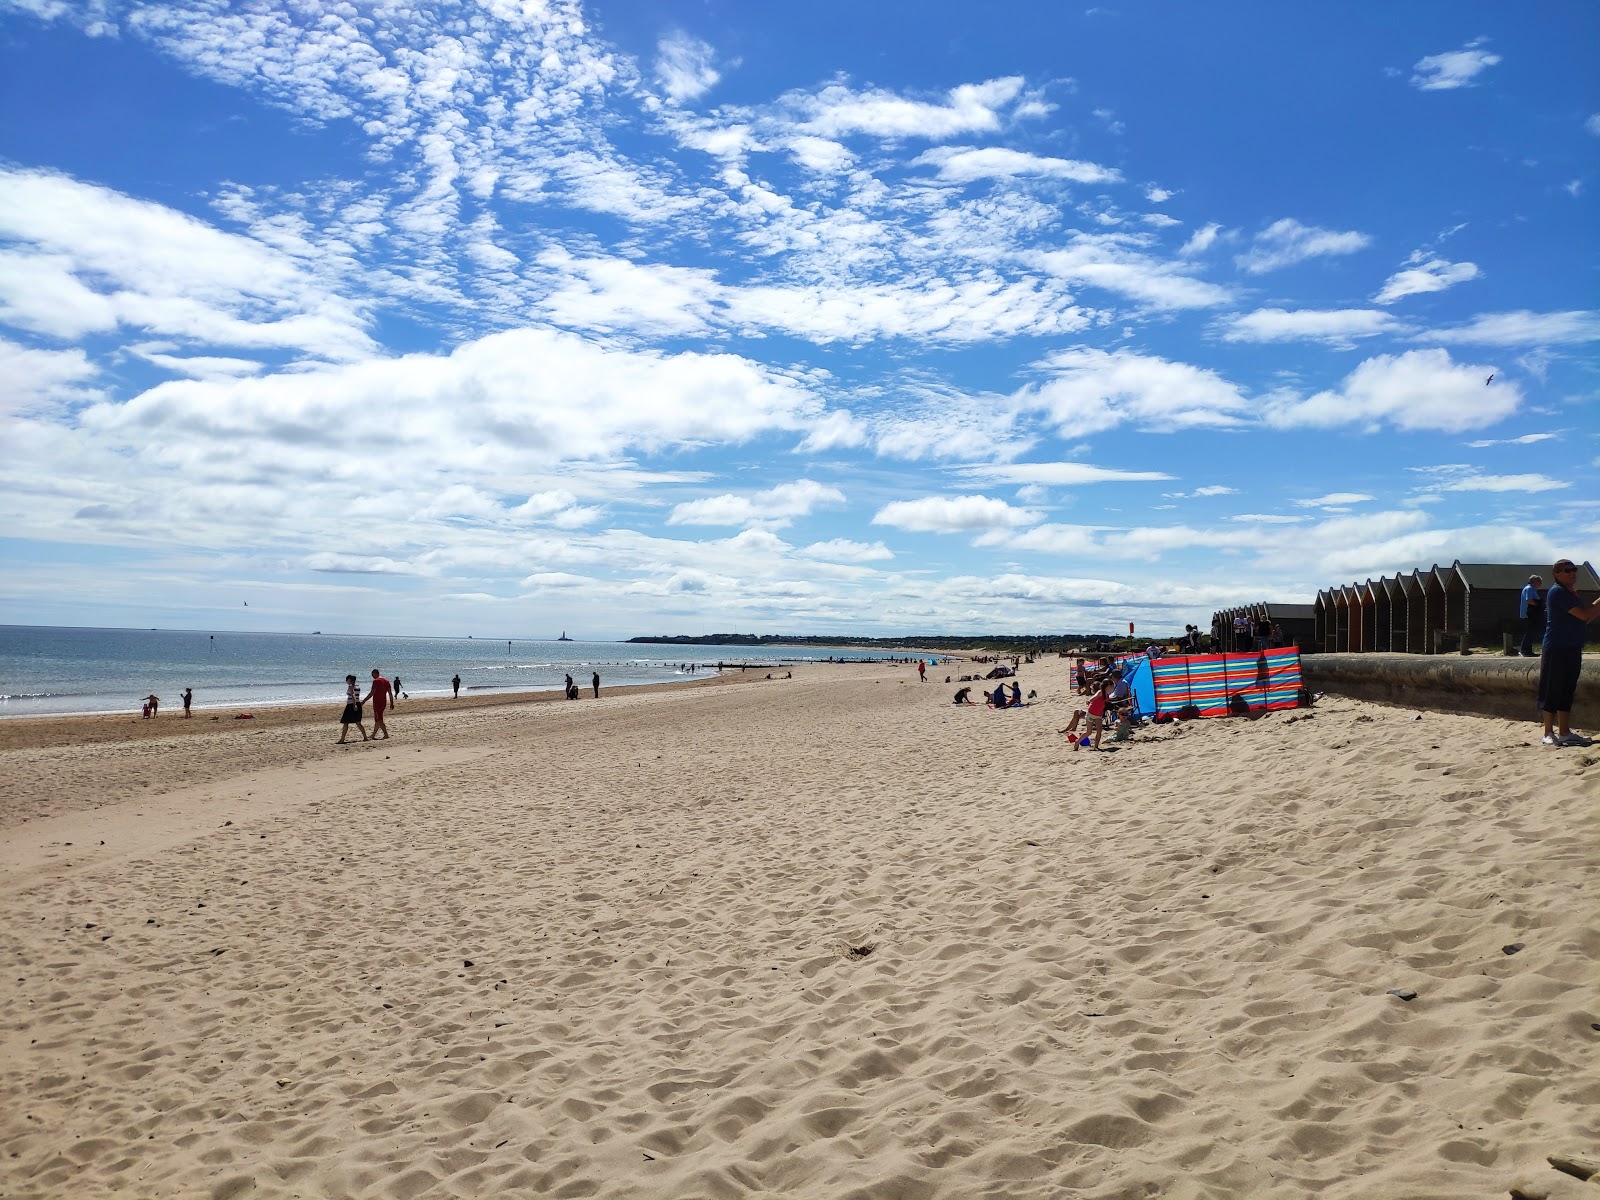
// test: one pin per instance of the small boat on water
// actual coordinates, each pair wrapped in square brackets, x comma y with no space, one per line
[563,637]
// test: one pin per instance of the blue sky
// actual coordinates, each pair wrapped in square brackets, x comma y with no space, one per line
[507,317]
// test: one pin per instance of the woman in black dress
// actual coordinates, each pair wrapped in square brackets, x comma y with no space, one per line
[352,709]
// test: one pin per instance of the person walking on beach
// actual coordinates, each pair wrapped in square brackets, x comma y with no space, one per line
[1530,607]
[572,689]
[1561,660]
[922,671]
[394,694]
[352,710]
[595,683]
[381,693]
[455,686]
[188,699]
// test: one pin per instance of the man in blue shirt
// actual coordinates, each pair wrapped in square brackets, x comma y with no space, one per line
[1562,657]
[1530,607]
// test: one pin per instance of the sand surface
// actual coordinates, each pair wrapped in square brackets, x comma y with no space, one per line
[819,937]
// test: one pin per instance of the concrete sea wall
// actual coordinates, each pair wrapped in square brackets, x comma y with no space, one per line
[1490,685]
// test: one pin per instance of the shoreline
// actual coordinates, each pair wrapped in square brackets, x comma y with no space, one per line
[65,729]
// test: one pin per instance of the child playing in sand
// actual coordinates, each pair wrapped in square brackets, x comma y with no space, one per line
[1093,716]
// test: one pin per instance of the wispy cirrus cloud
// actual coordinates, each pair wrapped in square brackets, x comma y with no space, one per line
[1432,275]
[1287,242]
[1523,328]
[1454,68]
[1337,327]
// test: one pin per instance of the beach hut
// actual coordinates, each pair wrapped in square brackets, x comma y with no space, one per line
[1394,604]
[1323,613]
[1352,618]
[1433,590]
[1341,620]
[1487,597]
[1414,638]
[1298,622]
[1369,615]
[1379,591]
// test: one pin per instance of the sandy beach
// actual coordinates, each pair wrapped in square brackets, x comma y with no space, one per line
[826,936]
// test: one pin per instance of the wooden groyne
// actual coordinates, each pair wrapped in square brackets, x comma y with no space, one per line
[1490,685]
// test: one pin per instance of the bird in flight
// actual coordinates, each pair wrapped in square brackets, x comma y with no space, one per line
[1489,380]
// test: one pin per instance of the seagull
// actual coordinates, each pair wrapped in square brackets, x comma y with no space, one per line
[1489,380]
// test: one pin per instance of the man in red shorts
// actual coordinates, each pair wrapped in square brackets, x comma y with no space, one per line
[379,695]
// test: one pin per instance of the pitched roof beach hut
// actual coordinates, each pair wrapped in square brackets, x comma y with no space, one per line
[1433,591]
[1323,610]
[1489,596]
[1391,615]
[1370,592]
[1414,638]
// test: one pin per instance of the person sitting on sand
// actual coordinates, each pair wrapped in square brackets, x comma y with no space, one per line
[1016,694]
[998,698]
[964,696]
[352,710]
[152,705]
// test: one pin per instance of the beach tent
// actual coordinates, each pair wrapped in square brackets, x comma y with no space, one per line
[1141,680]
[1268,679]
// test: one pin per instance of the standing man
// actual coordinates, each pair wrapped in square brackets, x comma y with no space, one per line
[1531,609]
[188,699]
[595,683]
[394,692]
[922,671]
[380,696]
[1561,660]
[455,687]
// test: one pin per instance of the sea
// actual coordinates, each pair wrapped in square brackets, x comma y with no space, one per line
[49,671]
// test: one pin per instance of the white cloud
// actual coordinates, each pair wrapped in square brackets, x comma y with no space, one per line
[1216,489]
[1335,500]
[1200,240]
[1055,474]
[1420,389]
[1432,276]
[1453,69]
[1527,439]
[822,155]
[953,514]
[1158,195]
[773,508]
[1593,124]
[1338,327]
[34,381]
[965,164]
[1523,328]
[847,551]
[837,111]
[1286,242]
[1463,479]
[1094,390]
[1118,263]
[683,67]
[85,259]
